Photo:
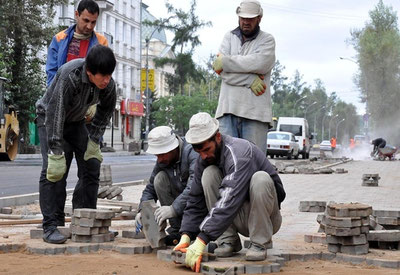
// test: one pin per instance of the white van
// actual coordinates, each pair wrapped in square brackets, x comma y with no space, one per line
[299,127]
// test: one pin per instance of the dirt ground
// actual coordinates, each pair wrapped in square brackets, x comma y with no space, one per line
[147,264]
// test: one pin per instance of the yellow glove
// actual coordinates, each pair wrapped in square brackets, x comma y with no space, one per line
[90,113]
[56,167]
[258,87]
[217,65]
[183,244]
[93,151]
[194,254]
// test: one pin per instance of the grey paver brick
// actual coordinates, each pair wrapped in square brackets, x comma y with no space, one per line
[131,234]
[81,238]
[388,220]
[223,267]
[386,213]
[384,263]
[353,259]
[164,255]
[384,235]
[87,222]
[348,240]
[154,233]
[355,249]
[80,230]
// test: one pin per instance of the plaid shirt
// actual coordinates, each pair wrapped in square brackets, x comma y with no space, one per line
[68,98]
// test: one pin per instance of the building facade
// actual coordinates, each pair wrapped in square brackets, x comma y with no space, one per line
[120,22]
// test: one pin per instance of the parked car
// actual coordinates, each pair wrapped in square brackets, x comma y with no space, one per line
[325,145]
[282,144]
[299,127]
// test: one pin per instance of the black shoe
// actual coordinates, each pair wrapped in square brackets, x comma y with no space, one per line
[172,239]
[54,236]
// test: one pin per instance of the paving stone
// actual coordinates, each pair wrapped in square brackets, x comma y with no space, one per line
[179,257]
[344,221]
[353,259]
[222,267]
[388,220]
[104,230]
[373,225]
[383,263]
[349,240]
[106,222]
[386,213]
[355,249]
[275,267]
[81,238]
[129,249]
[254,269]
[131,234]
[106,246]
[80,230]
[312,256]
[327,256]
[101,238]
[84,249]
[315,238]
[164,255]
[6,210]
[86,222]
[105,193]
[369,176]
[372,183]
[94,213]
[384,235]
[154,233]
[334,248]
[341,171]
[94,247]
[296,256]
[348,210]
[105,173]
[72,249]
[114,192]
[6,248]
[342,231]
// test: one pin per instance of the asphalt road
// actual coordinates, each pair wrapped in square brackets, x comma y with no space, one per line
[22,175]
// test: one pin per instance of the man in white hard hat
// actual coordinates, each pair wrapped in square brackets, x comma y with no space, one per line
[235,190]
[170,180]
[245,60]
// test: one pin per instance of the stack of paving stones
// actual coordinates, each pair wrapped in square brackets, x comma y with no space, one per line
[312,206]
[6,210]
[341,171]
[106,190]
[91,226]
[386,233]
[346,227]
[370,179]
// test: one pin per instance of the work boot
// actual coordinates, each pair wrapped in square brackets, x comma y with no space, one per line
[54,236]
[227,249]
[256,252]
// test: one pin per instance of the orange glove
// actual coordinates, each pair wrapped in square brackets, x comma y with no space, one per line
[217,65]
[258,86]
[194,254]
[183,243]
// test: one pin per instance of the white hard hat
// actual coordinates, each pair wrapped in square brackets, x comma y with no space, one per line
[249,9]
[161,140]
[201,127]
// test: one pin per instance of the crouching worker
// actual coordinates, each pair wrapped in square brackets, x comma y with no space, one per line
[170,180]
[235,190]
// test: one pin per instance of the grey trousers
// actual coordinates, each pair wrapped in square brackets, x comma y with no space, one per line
[259,218]
[167,193]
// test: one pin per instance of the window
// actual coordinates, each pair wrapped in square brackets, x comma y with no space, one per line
[116,118]
[124,32]
[108,24]
[124,11]
[132,36]
[297,130]
[116,30]
[64,11]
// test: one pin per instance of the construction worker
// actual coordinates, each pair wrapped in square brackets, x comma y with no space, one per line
[245,60]
[235,190]
[170,180]
[378,143]
[69,44]
[333,143]
[61,111]
[352,144]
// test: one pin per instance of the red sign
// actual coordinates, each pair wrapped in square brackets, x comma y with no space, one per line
[132,108]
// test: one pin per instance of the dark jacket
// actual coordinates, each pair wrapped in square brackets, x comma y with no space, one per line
[68,98]
[239,160]
[180,175]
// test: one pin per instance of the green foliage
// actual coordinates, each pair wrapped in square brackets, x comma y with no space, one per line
[26,28]
[378,55]
[185,26]
[176,111]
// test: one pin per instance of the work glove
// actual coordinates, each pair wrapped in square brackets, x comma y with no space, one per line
[56,167]
[138,223]
[163,213]
[194,254]
[258,86]
[183,243]
[217,65]
[93,151]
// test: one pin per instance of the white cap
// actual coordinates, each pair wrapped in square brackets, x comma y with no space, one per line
[161,140]
[249,9]
[201,127]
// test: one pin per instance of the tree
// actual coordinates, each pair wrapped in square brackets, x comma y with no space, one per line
[378,55]
[184,25]
[26,28]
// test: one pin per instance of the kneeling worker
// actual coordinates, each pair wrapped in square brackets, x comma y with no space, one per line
[170,180]
[235,190]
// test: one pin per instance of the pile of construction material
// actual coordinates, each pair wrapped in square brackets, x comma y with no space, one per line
[386,233]
[312,206]
[106,190]
[370,179]
[308,167]
[91,226]
[346,227]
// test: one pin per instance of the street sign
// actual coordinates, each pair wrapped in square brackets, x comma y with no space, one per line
[143,80]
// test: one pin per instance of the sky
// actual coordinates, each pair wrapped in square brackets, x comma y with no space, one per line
[310,36]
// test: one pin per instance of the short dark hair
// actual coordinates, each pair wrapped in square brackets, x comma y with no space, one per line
[200,146]
[90,5]
[100,59]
